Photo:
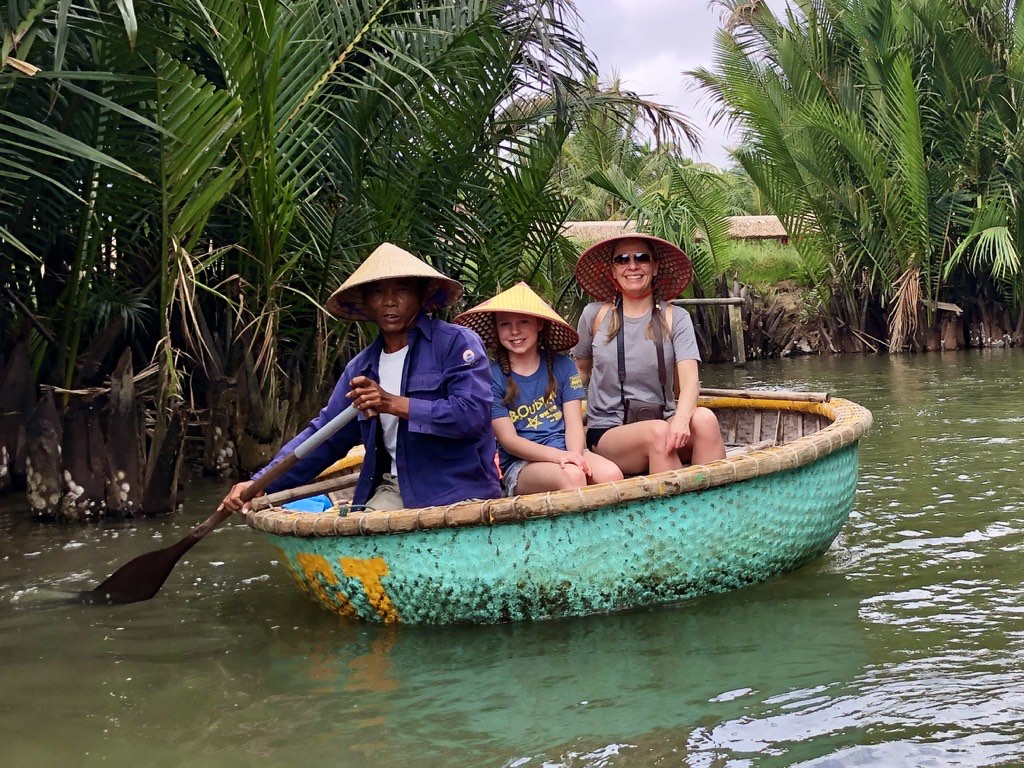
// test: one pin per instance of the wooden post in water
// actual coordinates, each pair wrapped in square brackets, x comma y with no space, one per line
[17,400]
[734,303]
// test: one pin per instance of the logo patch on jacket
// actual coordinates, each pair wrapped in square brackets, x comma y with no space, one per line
[468,356]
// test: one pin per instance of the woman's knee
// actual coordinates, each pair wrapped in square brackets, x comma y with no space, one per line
[707,443]
[704,421]
[655,434]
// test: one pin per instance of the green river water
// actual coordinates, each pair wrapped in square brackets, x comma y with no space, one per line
[902,646]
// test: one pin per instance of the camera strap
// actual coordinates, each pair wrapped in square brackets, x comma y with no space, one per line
[658,344]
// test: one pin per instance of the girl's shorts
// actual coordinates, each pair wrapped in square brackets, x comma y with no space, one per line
[511,476]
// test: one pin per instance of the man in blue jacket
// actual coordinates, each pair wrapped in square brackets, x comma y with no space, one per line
[424,389]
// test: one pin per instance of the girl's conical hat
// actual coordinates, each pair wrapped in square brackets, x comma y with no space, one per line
[386,262]
[594,271]
[520,299]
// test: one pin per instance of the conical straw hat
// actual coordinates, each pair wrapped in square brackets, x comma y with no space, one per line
[593,270]
[386,262]
[520,298]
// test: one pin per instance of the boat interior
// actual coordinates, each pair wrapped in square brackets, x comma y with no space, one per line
[747,426]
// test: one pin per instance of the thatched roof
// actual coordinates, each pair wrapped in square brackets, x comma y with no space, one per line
[756,228]
[587,232]
[740,228]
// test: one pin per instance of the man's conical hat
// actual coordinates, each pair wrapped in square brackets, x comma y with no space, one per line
[386,262]
[520,299]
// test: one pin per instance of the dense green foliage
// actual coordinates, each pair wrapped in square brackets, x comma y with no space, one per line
[765,263]
[194,178]
[887,136]
[627,145]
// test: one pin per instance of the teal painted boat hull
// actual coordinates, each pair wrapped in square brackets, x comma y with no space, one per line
[635,554]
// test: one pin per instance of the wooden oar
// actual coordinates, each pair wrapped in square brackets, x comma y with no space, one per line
[141,578]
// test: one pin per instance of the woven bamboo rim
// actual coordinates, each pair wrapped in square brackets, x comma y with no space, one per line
[849,423]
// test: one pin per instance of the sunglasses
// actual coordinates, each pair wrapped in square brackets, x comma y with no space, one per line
[622,259]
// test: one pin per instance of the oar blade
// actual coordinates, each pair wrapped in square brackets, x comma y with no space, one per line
[139,579]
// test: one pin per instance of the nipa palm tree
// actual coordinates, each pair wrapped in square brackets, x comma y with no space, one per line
[886,136]
[193,179]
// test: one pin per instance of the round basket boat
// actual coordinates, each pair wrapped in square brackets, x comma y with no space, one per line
[776,502]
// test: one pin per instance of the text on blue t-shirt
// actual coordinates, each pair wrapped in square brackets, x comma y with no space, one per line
[536,417]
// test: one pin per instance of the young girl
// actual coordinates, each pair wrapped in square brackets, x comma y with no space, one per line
[537,412]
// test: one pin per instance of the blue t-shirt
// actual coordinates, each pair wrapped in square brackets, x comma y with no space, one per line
[534,417]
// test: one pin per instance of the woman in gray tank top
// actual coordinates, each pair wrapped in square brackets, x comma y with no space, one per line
[618,358]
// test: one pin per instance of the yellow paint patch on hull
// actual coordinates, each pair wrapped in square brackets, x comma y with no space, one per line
[370,571]
[317,577]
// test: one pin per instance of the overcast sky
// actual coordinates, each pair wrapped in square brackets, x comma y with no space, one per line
[650,43]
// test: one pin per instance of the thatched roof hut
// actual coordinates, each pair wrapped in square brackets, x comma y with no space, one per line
[757,228]
[740,228]
[587,232]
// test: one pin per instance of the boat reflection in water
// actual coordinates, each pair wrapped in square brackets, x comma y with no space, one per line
[505,692]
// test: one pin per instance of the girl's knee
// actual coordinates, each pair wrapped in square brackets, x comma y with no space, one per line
[605,473]
[573,477]
[602,470]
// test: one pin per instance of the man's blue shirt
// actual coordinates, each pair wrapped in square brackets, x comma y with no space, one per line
[445,448]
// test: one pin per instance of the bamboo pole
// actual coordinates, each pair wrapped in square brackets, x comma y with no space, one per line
[734,303]
[768,394]
[721,300]
[301,492]
[739,348]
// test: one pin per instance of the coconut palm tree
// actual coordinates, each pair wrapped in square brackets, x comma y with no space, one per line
[622,135]
[413,122]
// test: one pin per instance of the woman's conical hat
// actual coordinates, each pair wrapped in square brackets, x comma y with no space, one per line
[521,299]
[386,262]
[593,270]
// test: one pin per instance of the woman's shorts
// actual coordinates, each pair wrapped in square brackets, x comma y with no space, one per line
[594,435]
